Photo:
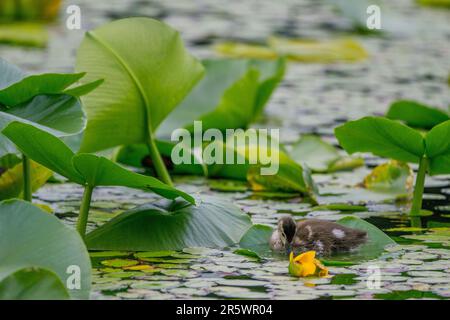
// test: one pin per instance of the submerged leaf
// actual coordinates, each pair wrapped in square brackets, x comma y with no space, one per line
[172,226]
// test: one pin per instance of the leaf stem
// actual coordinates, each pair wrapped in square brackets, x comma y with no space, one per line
[84,210]
[158,164]
[419,186]
[27,192]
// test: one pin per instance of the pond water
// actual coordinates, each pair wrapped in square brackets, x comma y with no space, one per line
[411,63]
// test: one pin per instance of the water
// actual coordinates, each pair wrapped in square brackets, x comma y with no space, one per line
[313,98]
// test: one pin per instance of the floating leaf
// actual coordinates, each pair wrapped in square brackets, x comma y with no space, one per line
[54,246]
[27,34]
[340,207]
[244,50]
[247,253]
[119,263]
[311,51]
[172,226]
[319,51]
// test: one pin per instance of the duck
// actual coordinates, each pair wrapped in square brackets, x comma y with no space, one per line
[322,236]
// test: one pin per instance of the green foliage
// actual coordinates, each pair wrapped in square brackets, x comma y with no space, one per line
[300,50]
[172,226]
[382,137]
[44,100]
[84,169]
[321,156]
[147,73]
[416,115]
[11,181]
[392,176]
[32,238]
[232,94]
[388,138]
[33,284]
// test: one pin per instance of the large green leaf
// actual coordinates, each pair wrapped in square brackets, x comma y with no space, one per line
[321,156]
[85,169]
[33,284]
[172,226]
[415,114]
[231,95]
[147,73]
[377,239]
[382,137]
[30,237]
[42,100]
[437,143]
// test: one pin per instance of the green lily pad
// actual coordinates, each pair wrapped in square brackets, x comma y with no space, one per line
[119,263]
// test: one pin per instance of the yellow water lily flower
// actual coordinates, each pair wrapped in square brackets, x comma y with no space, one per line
[306,264]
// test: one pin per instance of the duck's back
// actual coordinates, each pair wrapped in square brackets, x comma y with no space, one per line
[327,237]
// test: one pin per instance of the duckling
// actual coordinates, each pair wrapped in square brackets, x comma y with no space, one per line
[322,236]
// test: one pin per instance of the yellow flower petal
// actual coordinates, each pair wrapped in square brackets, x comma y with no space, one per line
[307,257]
[308,269]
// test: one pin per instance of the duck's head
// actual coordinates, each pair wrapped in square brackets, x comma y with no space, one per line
[286,230]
